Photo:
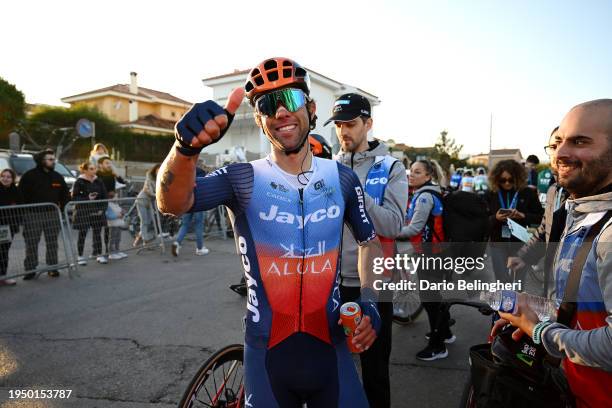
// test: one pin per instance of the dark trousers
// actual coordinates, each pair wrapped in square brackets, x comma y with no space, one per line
[500,252]
[4,259]
[33,226]
[437,315]
[96,230]
[375,361]
[106,233]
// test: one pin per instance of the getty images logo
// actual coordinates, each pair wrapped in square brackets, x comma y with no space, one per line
[284,217]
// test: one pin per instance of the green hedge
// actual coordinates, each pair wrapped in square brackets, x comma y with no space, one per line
[127,145]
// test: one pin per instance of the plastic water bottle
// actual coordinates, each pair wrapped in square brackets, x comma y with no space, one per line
[507,301]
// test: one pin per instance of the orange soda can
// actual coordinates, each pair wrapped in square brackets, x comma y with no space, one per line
[350,314]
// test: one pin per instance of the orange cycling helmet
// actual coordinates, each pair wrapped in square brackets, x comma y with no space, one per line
[276,73]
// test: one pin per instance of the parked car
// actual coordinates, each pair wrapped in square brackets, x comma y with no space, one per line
[22,162]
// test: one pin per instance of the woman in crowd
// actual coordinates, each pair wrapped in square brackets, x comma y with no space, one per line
[145,204]
[98,151]
[424,229]
[509,199]
[9,220]
[89,187]
[112,233]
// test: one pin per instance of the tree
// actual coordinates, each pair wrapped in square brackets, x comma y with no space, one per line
[12,108]
[447,151]
[447,145]
[55,127]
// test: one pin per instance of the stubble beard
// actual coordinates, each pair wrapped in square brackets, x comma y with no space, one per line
[589,177]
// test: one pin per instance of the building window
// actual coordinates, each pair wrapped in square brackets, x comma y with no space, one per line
[173,114]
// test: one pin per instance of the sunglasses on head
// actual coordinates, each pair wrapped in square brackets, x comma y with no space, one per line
[291,98]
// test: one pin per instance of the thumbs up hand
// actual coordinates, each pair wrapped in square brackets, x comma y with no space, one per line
[206,123]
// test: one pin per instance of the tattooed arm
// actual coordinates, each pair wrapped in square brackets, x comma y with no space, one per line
[175,183]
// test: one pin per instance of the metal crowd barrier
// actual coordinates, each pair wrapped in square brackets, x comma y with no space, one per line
[33,233]
[33,239]
[215,222]
[104,230]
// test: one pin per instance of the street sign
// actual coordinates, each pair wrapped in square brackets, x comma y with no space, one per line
[85,128]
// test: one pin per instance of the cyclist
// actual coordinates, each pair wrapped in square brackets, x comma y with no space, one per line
[467,182]
[455,181]
[481,185]
[288,210]
[386,187]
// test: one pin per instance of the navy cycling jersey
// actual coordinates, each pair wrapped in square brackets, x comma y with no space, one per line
[289,243]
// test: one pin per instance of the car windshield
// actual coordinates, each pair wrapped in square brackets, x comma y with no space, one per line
[21,164]
[63,170]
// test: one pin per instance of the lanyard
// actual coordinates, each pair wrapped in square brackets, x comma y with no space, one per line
[512,203]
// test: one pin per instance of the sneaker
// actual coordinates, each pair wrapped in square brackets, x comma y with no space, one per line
[29,276]
[53,274]
[102,259]
[8,282]
[165,234]
[202,251]
[82,260]
[176,247]
[448,340]
[114,257]
[430,353]
[122,254]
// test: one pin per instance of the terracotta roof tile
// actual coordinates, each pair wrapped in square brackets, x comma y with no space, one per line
[142,92]
[152,121]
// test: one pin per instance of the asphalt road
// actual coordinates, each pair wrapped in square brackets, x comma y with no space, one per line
[132,333]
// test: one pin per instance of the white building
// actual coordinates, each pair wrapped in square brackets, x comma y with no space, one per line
[244,131]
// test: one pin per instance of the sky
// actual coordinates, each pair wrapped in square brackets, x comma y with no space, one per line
[434,64]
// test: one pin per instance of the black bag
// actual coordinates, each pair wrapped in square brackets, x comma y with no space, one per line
[466,223]
[499,385]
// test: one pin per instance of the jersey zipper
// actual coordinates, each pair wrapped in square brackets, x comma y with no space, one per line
[301,190]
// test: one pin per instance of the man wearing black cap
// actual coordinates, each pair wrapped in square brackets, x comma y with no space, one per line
[386,198]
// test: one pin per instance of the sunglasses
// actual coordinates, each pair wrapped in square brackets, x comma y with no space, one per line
[292,99]
[503,180]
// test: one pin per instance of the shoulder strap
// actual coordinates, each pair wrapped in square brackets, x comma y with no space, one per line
[569,304]
[430,218]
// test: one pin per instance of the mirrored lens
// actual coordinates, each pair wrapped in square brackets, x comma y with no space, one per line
[292,99]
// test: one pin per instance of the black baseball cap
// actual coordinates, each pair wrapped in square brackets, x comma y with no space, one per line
[348,107]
